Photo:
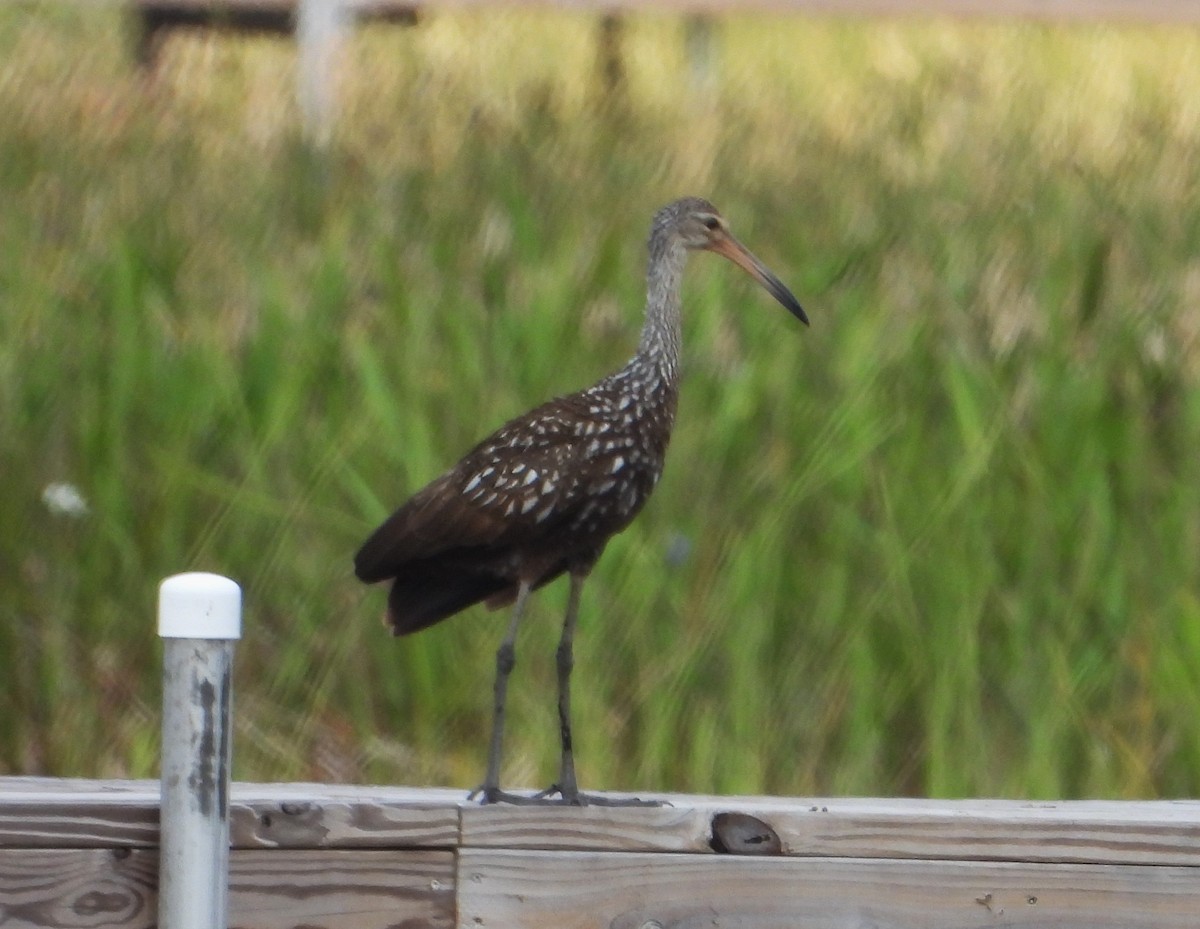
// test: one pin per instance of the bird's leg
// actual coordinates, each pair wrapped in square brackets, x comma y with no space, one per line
[565,660]
[567,787]
[506,658]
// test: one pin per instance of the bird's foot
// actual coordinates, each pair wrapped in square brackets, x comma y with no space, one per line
[555,796]
[576,797]
[488,795]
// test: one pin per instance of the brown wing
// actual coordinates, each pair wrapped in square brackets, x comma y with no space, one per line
[520,480]
[542,493]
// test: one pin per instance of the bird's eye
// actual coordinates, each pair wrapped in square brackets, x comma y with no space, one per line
[711,223]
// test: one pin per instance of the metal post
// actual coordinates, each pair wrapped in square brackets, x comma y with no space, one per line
[320,34]
[199,618]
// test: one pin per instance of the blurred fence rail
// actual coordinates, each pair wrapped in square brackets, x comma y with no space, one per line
[1145,10]
[81,852]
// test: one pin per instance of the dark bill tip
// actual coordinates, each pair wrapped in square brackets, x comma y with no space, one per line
[786,297]
[735,251]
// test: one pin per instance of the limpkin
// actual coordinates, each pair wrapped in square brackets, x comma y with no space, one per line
[543,494]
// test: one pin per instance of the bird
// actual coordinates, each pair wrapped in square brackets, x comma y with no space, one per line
[543,494]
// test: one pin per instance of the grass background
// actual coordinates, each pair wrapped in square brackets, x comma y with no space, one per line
[946,542]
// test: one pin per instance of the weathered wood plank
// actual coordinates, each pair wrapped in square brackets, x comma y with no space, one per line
[78,888]
[333,857]
[341,889]
[1113,832]
[1163,833]
[53,813]
[501,889]
[324,816]
[86,888]
[40,812]
[47,813]
[95,824]
[73,785]
[675,828]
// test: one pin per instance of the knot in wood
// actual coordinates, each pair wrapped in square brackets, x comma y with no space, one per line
[742,834]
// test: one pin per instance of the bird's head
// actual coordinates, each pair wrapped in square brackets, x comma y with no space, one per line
[698,226]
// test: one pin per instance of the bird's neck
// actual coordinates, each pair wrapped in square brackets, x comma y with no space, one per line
[659,346]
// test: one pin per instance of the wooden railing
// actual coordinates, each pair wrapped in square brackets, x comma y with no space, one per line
[83,853]
[156,18]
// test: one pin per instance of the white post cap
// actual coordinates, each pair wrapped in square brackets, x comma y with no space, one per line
[199,606]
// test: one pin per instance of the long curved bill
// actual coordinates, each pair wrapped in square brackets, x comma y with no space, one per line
[741,256]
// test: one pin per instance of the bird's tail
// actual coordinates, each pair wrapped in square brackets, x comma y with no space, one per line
[422,598]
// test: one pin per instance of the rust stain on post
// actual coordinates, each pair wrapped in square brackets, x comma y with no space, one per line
[203,779]
[223,752]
